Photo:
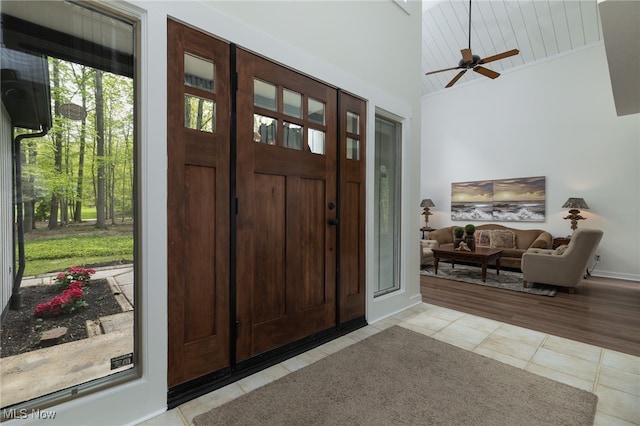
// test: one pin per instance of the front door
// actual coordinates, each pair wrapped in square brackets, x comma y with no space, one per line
[287,205]
[259,214]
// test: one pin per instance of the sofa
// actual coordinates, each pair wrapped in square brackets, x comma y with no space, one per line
[513,242]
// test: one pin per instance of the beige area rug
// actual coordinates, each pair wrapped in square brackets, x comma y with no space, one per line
[400,377]
[507,280]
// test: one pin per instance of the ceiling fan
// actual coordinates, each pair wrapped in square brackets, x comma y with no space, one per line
[474,62]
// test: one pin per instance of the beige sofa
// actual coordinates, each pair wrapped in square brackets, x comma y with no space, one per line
[565,266]
[513,242]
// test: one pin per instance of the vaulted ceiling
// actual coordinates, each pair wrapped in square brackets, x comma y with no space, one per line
[540,29]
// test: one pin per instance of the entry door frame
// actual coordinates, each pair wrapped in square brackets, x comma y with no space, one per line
[348,316]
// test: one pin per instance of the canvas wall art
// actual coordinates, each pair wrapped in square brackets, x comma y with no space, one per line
[503,200]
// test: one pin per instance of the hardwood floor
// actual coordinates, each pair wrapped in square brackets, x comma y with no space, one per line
[603,312]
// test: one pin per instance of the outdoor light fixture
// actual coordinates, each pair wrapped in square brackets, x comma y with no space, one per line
[575,204]
[426,203]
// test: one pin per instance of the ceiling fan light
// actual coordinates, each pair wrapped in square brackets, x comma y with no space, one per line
[470,61]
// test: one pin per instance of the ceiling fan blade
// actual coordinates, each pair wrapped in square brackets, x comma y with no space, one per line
[486,72]
[456,78]
[466,55]
[446,69]
[499,56]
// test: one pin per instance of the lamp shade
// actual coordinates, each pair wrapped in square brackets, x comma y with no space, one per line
[575,203]
[427,203]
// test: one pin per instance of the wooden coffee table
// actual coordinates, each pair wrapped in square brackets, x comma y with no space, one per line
[481,255]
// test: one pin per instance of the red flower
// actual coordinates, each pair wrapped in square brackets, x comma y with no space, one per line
[76,284]
[73,293]
[56,309]
[71,282]
[43,309]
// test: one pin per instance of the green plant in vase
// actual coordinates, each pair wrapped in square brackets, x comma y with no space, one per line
[458,233]
[470,229]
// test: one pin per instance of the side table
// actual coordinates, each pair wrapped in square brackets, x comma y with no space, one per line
[560,241]
[426,230]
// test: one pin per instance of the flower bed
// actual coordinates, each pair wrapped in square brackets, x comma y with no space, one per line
[70,299]
[21,329]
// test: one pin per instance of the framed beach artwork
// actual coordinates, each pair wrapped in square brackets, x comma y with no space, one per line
[503,200]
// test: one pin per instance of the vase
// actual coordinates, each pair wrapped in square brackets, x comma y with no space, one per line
[471,241]
[457,241]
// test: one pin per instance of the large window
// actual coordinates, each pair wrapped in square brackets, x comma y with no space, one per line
[387,204]
[68,305]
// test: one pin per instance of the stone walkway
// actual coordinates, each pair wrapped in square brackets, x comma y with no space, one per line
[40,372]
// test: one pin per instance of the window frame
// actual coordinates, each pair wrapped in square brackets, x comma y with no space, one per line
[124,65]
[397,222]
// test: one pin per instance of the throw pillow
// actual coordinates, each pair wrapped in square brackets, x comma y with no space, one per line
[561,249]
[503,239]
[483,238]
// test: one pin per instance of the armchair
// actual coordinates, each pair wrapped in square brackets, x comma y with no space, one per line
[564,266]
[426,254]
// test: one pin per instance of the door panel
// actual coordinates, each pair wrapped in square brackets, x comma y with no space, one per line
[199,319]
[270,267]
[198,204]
[352,206]
[286,246]
[306,256]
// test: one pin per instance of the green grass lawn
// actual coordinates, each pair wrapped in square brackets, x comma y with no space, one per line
[76,245]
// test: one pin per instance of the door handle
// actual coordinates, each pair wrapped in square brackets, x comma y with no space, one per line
[333,221]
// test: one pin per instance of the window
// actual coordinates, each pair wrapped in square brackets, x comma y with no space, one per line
[387,204]
[71,299]
[295,113]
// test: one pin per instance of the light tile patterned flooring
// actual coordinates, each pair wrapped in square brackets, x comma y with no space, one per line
[613,376]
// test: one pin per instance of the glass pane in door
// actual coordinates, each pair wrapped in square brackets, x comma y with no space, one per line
[264,95]
[353,149]
[292,135]
[353,123]
[292,103]
[265,129]
[316,111]
[199,73]
[199,113]
[316,141]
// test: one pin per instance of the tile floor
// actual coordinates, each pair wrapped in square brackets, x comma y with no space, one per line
[613,376]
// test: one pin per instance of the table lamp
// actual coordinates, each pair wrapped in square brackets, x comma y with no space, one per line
[575,204]
[426,203]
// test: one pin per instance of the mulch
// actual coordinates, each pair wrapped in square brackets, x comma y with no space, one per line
[21,330]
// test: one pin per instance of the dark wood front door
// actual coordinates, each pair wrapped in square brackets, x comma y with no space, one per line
[198,203]
[259,215]
[287,205]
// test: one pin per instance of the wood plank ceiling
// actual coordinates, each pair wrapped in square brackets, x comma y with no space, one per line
[540,29]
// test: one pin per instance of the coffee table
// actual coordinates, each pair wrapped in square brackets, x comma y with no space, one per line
[481,255]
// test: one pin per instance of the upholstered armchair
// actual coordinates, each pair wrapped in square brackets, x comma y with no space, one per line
[564,266]
[426,254]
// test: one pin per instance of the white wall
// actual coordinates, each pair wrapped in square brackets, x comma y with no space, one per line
[370,49]
[555,119]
